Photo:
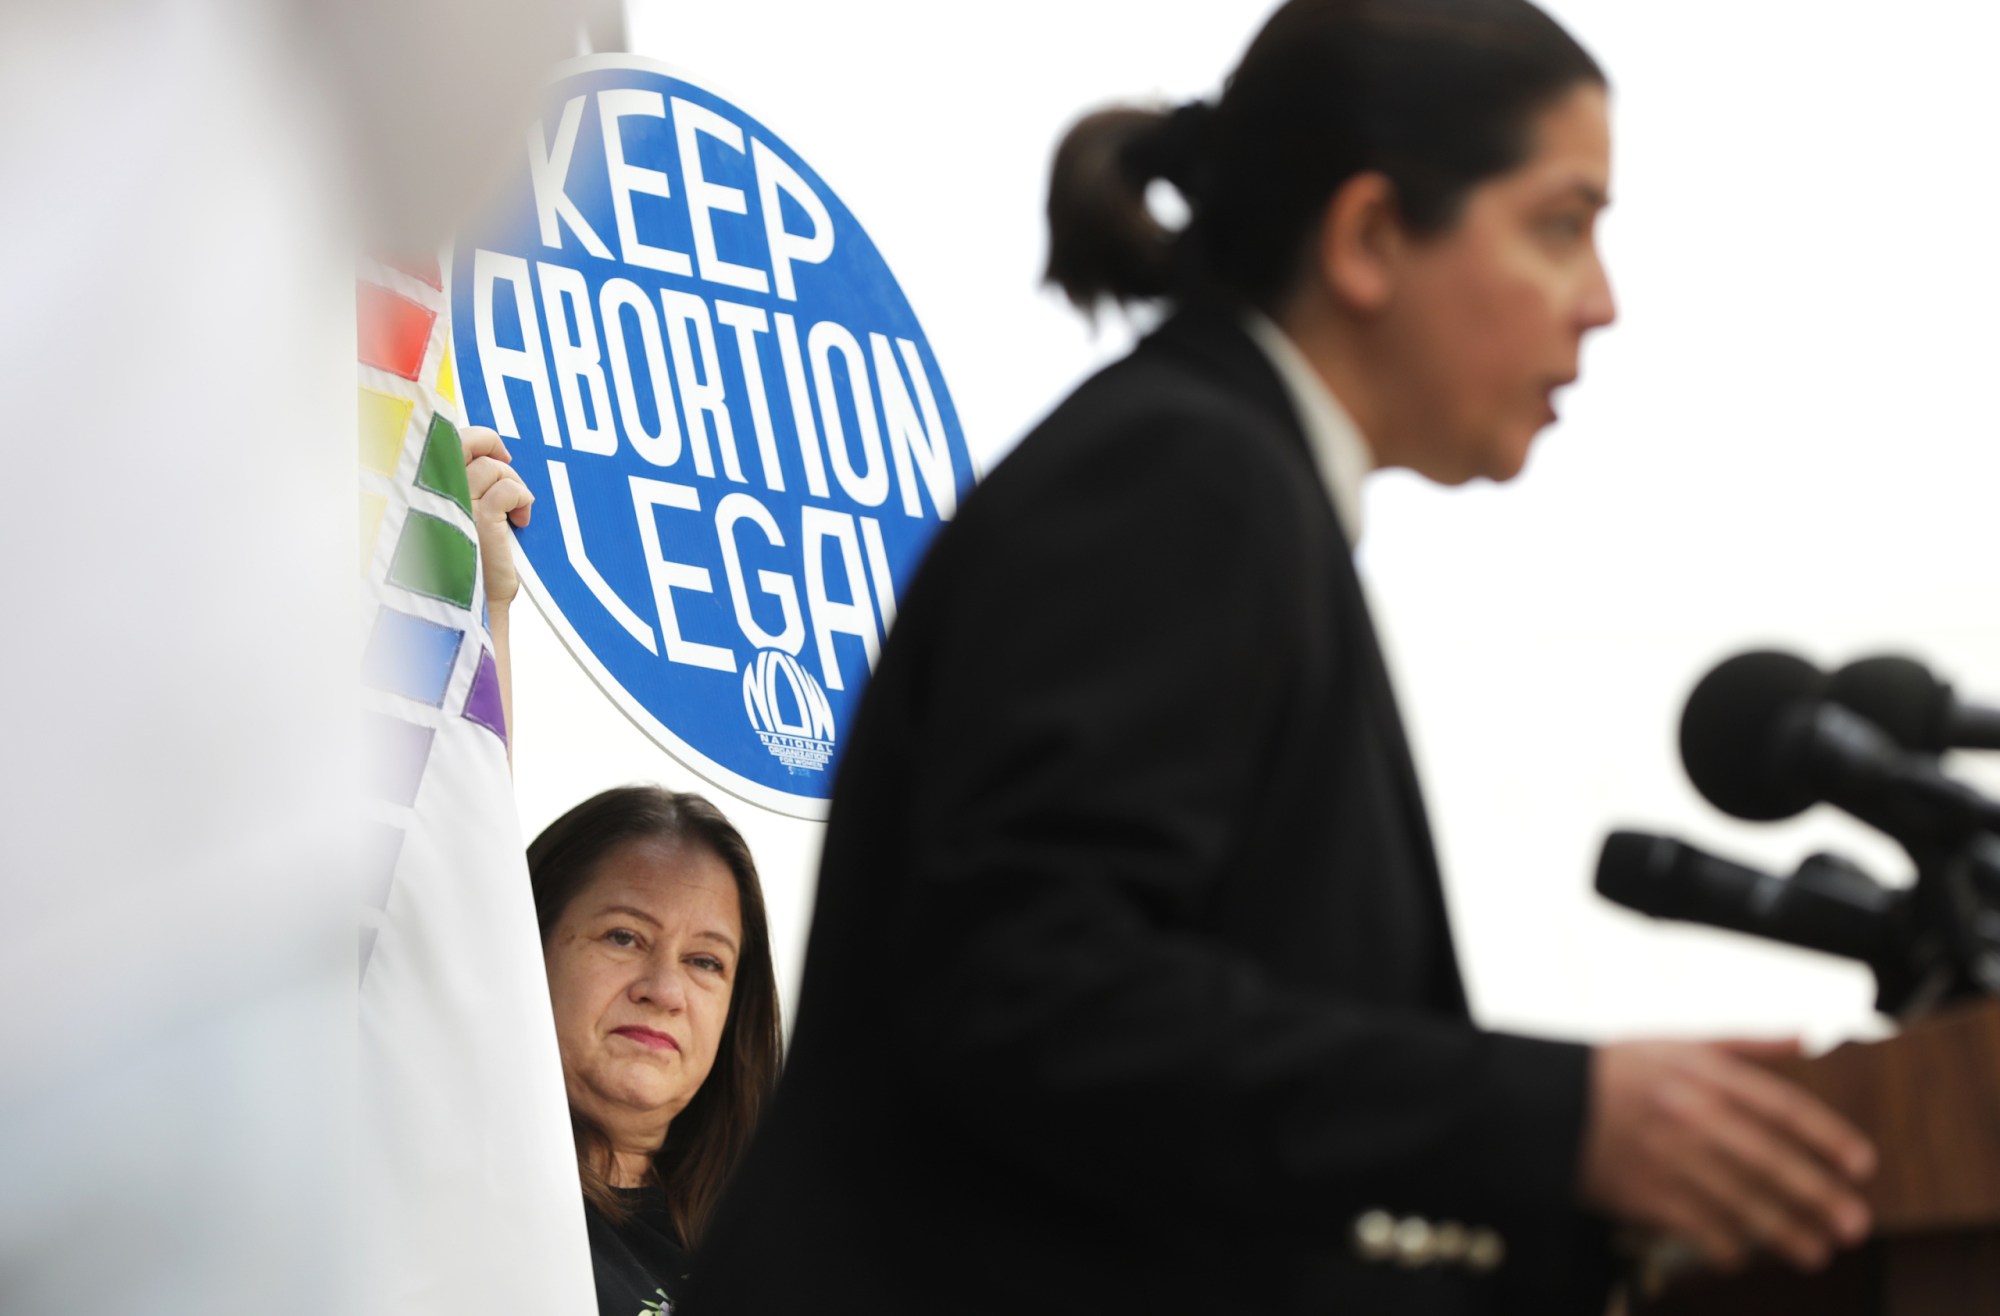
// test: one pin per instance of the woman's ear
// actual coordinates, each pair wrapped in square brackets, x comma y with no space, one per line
[1358,243]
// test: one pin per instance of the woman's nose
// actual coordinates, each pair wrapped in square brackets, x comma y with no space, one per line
[663,985]
[1598,307]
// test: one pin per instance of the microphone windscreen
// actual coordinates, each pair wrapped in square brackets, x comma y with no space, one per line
[1733,734]
[1898,695]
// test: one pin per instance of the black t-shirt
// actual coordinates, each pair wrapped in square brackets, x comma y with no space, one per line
[641,1268]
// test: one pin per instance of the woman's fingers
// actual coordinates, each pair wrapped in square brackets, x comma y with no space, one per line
[1693,1140]
[497,491]
[1761,1048]
[1798,1114]
[498,497]
[1771,1194]
[482,472]
[1795,1162]
[1724,1166]
[478,441]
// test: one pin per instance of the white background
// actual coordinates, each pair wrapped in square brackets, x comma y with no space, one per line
[1786,440]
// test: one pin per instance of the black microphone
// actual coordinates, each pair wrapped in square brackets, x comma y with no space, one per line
[1829,905]
[1761,740]
[1919,711]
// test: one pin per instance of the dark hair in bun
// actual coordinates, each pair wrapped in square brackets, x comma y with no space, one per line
[1437,95]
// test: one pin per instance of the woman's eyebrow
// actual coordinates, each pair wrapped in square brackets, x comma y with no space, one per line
[722,937]
[629,909]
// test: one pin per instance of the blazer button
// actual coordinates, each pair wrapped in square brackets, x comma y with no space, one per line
[1449,1241]
[1375,1236]
[1415,1243]
[1484,1250]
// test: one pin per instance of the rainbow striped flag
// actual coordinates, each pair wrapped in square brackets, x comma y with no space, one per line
[468,1191]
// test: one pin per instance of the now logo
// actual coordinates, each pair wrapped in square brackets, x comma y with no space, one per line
[789,711]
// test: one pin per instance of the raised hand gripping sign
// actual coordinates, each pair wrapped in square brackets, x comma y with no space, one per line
[737,436]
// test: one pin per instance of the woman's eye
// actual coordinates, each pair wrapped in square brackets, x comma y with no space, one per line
[708,963]
[1565,228]
[624,937]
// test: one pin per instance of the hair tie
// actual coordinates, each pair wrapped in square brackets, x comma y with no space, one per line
[1178,149]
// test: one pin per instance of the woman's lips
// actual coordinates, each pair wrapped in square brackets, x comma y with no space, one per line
[648,1037]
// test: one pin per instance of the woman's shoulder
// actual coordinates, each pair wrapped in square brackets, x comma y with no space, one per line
[1194,401]
[1189,438]
[1192,377]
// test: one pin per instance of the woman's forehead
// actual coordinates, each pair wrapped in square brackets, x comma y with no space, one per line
[1573,136]
[662,878]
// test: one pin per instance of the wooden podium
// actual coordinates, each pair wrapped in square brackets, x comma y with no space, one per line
[1930,1099]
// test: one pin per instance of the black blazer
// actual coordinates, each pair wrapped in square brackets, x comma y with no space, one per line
[1130,986]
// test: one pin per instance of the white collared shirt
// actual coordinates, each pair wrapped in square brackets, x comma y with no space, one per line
[1339,450]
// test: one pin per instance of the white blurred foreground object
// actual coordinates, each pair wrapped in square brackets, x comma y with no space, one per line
[175,774]
[177,807]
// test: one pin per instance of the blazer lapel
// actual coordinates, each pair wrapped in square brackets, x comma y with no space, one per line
[1212,338]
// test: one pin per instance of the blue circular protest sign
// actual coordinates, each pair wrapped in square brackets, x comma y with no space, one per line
[738,438]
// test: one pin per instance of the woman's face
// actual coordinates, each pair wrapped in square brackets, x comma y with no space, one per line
[1488,318]
[641,966]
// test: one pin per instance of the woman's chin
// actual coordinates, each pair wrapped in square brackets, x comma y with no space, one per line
[1497,455]
[637,1088]
[1507,455]
[1509,466]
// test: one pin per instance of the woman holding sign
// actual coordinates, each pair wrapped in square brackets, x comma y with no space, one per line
[1131,986]
[659,962]
[658,953]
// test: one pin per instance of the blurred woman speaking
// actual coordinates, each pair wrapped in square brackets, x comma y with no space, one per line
[1131,986]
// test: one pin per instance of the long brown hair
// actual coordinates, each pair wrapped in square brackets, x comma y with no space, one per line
[1437,95]
[710,1134]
